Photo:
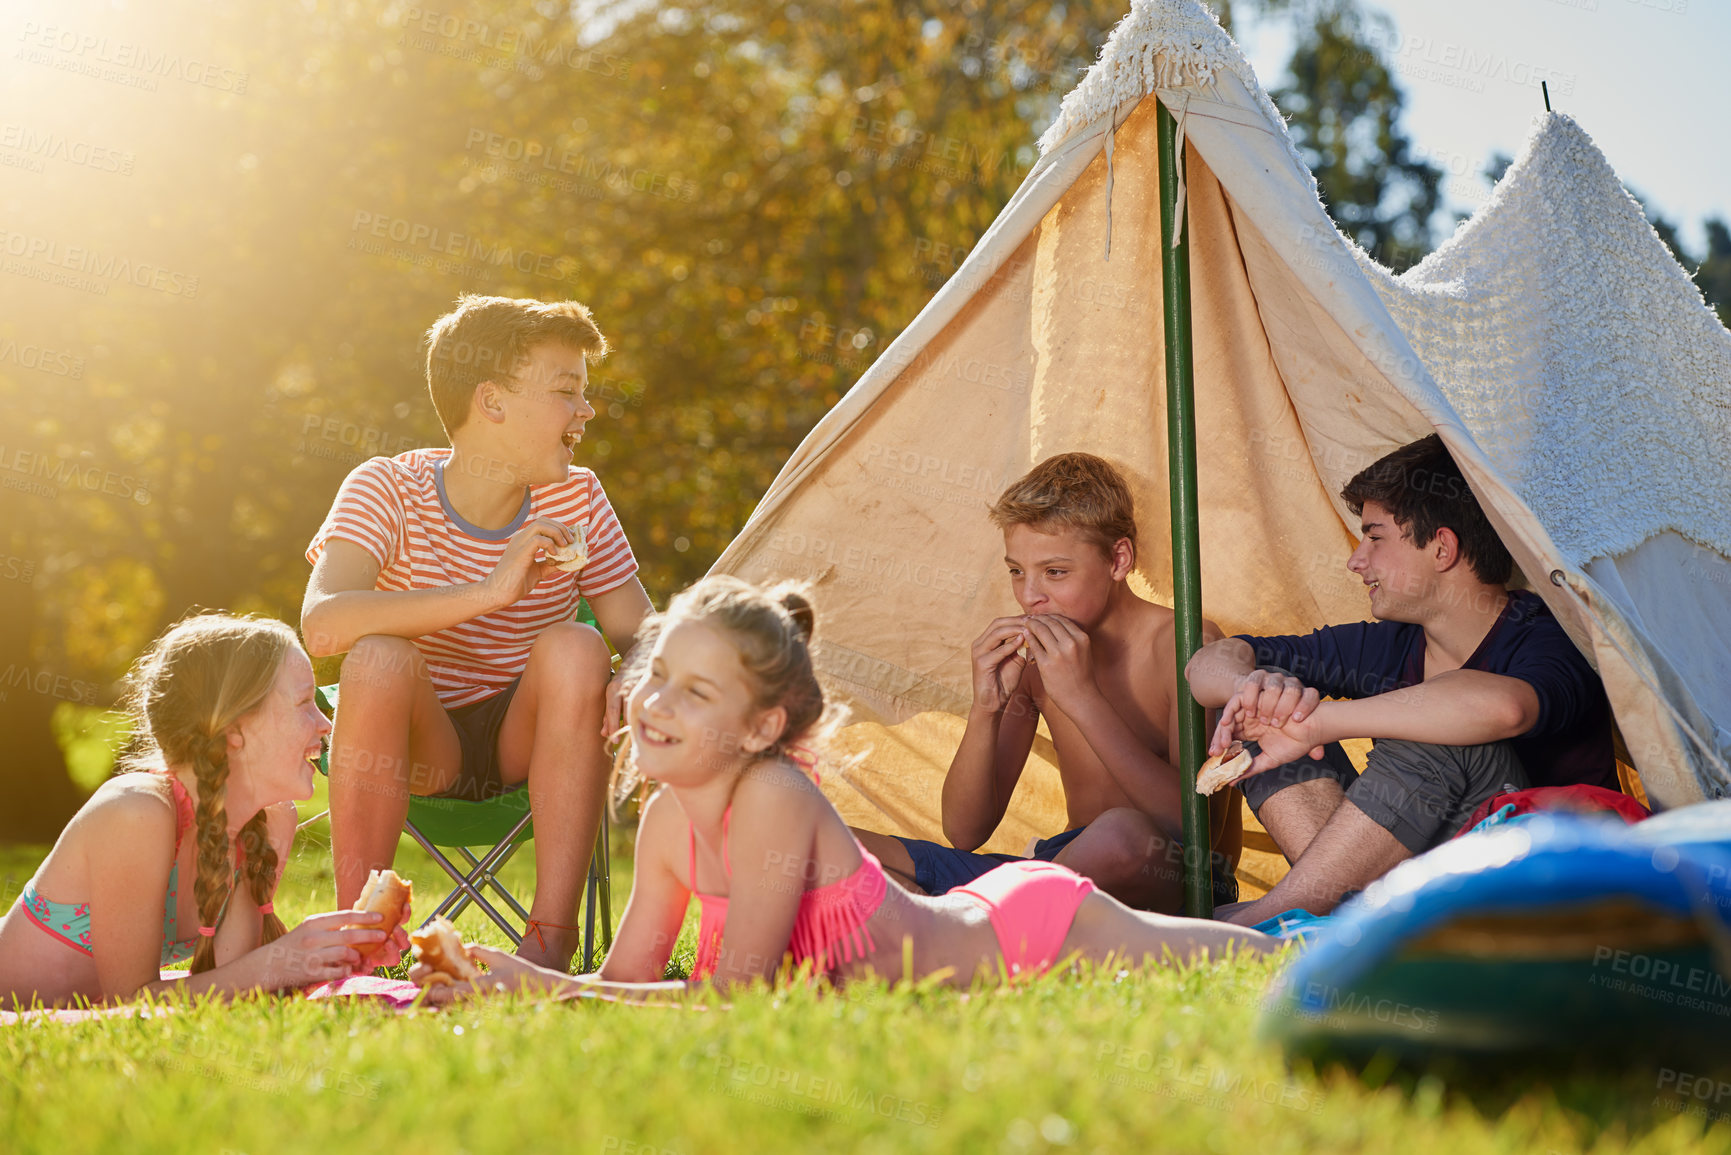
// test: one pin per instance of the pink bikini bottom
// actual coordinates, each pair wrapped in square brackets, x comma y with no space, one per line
[1032,905]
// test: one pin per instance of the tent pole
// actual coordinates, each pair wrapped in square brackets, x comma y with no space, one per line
[1186,544]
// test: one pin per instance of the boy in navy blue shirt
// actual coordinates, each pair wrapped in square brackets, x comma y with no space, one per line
[1467,687]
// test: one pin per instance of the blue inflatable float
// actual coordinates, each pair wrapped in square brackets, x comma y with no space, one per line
[1561,932]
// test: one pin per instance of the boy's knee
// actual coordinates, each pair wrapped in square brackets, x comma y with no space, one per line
[573,654]
[1123,841]
[380,661]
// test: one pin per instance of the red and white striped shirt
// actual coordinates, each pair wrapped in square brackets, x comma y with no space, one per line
[395,508]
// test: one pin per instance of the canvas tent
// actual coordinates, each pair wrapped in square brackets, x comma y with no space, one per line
[1565,358]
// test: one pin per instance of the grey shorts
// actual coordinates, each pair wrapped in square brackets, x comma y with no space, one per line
[1420,792]
[477,726]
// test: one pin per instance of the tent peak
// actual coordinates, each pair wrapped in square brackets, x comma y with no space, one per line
[1558,157]
[1158,44]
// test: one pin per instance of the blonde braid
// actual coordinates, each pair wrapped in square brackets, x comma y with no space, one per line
[211,890]
[261,863]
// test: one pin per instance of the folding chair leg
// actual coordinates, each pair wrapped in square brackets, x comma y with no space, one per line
[589,916]
[482,870]
[599,889]
[479,876]
[606,890]
[490,878]
[464,882]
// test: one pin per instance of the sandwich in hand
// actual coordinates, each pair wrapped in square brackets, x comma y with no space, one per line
[571,558]
[1223,769]
[440,949]
[389,894]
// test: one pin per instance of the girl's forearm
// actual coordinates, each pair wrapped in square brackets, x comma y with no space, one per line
[247,974]
[588,986]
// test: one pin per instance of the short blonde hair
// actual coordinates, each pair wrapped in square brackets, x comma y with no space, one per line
[487,338]
[1077,490]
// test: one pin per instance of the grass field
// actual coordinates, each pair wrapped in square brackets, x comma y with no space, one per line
[1108,1062]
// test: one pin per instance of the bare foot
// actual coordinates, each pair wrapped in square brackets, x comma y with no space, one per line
[550,946]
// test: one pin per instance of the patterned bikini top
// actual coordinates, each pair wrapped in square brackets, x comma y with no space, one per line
[70,921]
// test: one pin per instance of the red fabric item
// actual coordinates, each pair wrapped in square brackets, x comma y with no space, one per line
[1579,799]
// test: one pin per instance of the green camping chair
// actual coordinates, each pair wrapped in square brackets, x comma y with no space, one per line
[504,824]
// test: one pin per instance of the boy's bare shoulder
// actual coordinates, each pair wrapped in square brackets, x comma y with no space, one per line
[1161,624]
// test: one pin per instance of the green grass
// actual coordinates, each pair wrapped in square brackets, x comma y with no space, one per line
[1164,1061]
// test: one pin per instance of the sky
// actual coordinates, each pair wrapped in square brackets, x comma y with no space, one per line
[1650,80]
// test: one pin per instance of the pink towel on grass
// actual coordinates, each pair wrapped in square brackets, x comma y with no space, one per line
[399,994]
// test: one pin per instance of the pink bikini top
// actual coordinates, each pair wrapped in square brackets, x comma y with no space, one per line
[829,916]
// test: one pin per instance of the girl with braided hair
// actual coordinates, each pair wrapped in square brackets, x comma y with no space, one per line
[227,734]
[723,713]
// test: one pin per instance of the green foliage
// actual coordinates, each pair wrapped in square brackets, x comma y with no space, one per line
[1343,106]
[90,736]
[1711,269]
[753,197]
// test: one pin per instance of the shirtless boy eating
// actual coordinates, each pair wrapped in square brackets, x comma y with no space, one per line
[1097,662]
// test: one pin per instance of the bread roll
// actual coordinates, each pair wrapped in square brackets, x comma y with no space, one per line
[571,558]
[439,948]
[386,893]
[1223,769]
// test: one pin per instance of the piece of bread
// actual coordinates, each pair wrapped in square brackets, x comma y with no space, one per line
[439,947]
[571,558]
[1223,769]
[386,893]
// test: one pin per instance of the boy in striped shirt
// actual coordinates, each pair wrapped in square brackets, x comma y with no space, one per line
[466,675]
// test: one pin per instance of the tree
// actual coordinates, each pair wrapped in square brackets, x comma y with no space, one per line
[1343,107]
[1711,270]
[754,199]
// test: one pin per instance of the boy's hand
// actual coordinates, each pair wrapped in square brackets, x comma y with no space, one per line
[1279,745]
[1267,698]
[997,666]
[1060,648]
[518,572]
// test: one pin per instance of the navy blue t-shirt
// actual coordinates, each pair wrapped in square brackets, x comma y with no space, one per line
[1569,744]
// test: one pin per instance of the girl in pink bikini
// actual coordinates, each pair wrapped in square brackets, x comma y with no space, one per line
[224,709]
[719,717]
